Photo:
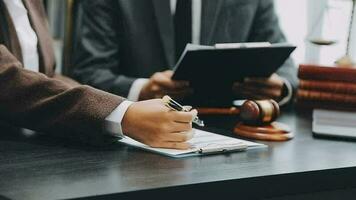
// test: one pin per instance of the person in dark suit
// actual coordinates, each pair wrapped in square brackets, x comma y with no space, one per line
[130,47]
[32,96]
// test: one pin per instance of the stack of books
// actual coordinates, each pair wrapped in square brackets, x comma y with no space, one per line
[326,87]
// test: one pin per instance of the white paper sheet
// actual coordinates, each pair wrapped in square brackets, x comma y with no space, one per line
[202,142]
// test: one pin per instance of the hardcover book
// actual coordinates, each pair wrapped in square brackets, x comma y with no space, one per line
[328,86]
[326,96]
[317,72]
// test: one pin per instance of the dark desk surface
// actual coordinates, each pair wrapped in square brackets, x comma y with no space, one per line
[35,168]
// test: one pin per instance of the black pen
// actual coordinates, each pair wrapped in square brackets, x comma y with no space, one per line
[170,103]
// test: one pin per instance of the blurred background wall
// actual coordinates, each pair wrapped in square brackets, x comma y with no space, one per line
[302,20]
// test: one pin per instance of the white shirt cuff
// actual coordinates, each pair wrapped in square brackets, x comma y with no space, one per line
[136,88]
[289,95]
[113,121]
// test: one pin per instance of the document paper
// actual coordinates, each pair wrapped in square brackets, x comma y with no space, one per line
[203,142]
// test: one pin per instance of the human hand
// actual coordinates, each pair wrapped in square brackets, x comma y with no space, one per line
[161,84]
[154,124]
[260,88]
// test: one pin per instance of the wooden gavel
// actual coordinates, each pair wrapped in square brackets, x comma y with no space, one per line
[256,120]
[252,112]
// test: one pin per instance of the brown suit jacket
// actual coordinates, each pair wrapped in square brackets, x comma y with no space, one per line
[39,101]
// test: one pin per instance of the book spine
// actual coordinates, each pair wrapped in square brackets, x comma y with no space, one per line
[314,72]
[308,105]
[325,97]
[328,86]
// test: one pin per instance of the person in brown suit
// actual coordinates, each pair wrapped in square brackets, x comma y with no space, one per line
[32,96]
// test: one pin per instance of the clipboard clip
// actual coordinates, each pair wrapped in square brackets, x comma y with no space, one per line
[220,148]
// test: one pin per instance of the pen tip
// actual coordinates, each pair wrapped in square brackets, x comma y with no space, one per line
[200,123]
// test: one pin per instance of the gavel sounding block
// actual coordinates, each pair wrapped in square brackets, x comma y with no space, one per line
[275,131]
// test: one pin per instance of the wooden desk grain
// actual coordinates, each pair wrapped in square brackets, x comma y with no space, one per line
[45,168]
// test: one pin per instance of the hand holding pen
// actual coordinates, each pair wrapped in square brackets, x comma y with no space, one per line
[170,103]
[155,124]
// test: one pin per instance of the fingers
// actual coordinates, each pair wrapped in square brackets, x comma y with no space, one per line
[263,83]
[154,124]
[181,127]
[176,140]
[172,145]
[161,84]
[168,73]
[179,137]
[254,96]
[251,91]
[163,79]
[184,117]
[260,88]
[188,108]
[258,96]
[272,82]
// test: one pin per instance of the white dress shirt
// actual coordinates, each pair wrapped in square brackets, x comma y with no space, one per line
[138,84]
[27,36]
[29,42]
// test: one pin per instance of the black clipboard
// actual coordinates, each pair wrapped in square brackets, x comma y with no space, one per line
[211,70]
[226,62]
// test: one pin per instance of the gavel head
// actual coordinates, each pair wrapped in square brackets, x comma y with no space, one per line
[259,112]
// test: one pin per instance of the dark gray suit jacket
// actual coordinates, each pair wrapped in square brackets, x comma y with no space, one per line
[118,41]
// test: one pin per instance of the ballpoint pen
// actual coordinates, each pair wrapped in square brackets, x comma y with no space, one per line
[170,103]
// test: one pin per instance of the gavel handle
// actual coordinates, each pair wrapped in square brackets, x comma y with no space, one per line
[218,111]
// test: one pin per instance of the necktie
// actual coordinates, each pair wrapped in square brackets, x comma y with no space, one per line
[182,25]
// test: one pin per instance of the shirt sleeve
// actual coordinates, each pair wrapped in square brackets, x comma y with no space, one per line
[113,121]
[136,88]
[289,93]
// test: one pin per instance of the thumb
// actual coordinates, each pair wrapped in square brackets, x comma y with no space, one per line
[168,73]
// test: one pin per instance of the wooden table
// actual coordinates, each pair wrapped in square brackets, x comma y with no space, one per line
[46,168]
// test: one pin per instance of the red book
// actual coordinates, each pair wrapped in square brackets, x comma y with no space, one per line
[303,105]
[310,95]
[317,72]
[328,86]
